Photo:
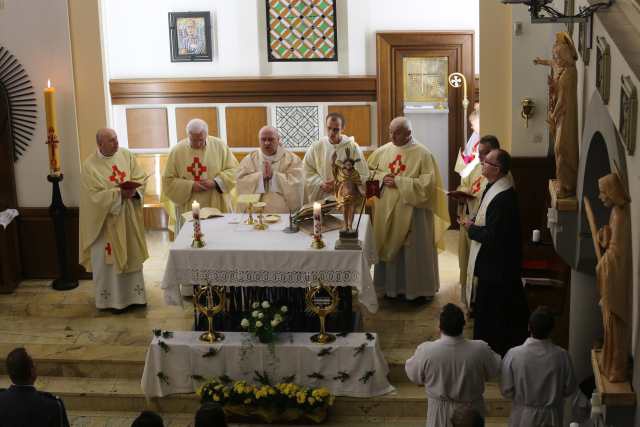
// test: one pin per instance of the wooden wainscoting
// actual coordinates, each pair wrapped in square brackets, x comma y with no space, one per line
[184,115]
[243,125]
[38,246]
[357,121]
[235,90]
[147,128]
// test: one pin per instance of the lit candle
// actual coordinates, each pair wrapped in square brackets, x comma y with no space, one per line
[535,236]
[195,208]
[52,129]
[317,220]
[195,212]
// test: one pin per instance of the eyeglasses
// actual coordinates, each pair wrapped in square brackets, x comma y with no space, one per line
[491,164]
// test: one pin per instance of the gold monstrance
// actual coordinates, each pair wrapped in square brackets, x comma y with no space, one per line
[210,308]
[322,300]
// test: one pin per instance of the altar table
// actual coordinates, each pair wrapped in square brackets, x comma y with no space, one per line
[184,362]
[238,255]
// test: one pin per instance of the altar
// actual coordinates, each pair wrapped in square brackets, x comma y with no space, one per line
[267,264]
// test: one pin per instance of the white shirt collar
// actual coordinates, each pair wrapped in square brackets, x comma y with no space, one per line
[102,156]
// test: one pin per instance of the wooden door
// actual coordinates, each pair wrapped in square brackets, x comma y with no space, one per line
[457,47]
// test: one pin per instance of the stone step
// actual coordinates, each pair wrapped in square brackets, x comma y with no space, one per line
[125,395]
[110,419]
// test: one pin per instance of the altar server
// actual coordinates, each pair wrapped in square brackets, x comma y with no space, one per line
[452,369]
[112,241]
[410,217]
[537,376]
[320,159]
[202,168]
[274,172]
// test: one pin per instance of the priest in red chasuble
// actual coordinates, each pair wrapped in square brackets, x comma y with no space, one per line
[202,168]
[112,241]
[410,217]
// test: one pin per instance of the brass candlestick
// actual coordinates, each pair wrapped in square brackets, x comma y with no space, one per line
[317,242]
[322,300]
[250,220]
[210,309]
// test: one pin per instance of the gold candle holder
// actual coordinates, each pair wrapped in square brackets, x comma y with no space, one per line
[250,220]
[317,242]
[210,309]
[260,225]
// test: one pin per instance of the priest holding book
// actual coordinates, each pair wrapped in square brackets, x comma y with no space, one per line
[112,241]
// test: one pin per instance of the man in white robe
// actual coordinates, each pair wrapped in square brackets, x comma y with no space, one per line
[200,168]
[321,157]
[537,376]
[409,218]
[112,240]
[452,369]
[273,172]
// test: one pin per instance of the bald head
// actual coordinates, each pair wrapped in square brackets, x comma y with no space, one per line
[400,131]
[269,140]
[107,141]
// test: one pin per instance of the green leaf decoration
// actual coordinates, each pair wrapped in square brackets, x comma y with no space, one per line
[163,378]
[163,345]
[367,376]
[289,378]
[359,349]
[167,334]
[316,375]
[325,351]
[342,376]
[369,336]
[157,332]
[262,377]
[224,379]
[199,378]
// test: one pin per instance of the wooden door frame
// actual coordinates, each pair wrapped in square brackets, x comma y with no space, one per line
[389,95]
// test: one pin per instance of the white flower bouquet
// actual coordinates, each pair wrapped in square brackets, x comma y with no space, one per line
[263,320]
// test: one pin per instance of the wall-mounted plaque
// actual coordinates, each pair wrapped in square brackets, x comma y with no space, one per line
[584,40]
[569,10]
[628,114]
[603,68]
[425,79]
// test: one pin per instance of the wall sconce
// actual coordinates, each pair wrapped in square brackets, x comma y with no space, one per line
[528,110]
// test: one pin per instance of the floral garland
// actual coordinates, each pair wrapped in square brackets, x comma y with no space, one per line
[284,401]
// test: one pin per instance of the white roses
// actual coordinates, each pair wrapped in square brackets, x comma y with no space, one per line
[258,324]
[244,323]
[265,304]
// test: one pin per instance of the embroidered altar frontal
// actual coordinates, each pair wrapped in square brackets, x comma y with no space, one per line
[302,30]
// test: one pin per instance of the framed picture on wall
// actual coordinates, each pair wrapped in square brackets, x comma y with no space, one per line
[190,36]
[301,30]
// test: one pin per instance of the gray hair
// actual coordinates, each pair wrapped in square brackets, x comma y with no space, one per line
[197,126]
[403,122]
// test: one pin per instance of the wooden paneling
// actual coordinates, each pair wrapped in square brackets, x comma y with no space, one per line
[288,89]
[243,124]
[184,115]
[38,246]
[358,121]
[147,128]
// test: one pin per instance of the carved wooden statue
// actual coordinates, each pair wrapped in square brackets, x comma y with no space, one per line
[613,273]
[348,194]
[563,111]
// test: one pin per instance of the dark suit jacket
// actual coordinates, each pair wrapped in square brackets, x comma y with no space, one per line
[24,406]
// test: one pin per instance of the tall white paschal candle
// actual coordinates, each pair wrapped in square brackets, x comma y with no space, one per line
[317,220]
[195,212]
[195,208]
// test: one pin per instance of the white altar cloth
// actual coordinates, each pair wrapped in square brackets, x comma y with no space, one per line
[238,255]
[240,355]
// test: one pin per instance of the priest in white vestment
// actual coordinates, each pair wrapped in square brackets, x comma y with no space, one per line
[112,241]
[199,168]
[410,217]
[537,376]
[273,172]
[321,157]
[452,369]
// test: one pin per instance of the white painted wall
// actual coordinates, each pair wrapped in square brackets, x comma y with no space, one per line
[137,36]
[38,35]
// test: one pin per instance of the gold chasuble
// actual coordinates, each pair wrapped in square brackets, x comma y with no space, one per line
[186,165]
[283,192]
[104,213]
[419,186]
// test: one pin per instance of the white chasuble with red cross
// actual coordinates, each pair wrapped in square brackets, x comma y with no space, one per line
[187,165]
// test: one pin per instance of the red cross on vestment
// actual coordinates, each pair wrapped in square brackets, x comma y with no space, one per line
[196,169]
[117,176]
[475,187]
[397,166]
[108,249]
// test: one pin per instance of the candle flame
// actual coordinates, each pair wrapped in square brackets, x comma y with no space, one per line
[48,83]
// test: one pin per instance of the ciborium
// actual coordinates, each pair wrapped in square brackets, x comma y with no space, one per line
[214,298]
[322,300]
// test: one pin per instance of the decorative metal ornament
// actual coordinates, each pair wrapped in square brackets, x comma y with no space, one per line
[603,68]
[22,102]
[210,308]
[322,300]
[584,40]
[628,124]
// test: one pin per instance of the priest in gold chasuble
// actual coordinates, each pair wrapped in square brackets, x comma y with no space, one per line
[112,241]
[321,157]
[410,217]
[273,172]
[200,168]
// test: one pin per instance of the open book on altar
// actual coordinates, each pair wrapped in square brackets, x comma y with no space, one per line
[129,185]
[205,213]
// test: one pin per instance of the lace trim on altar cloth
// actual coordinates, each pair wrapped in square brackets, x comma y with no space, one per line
[267,278]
